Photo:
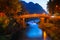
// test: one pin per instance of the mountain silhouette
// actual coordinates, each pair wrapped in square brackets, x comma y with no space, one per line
[33,7]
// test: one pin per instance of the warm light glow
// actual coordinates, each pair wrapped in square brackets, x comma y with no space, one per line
[45,35]
[56,6]
[34,14]
[2,14]
[52,16]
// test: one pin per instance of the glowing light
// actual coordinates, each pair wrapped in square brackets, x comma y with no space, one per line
[56,6]
[45,35]
[52,16]
[2,14]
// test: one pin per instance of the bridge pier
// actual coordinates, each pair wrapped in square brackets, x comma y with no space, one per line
[42,20]
[23,23]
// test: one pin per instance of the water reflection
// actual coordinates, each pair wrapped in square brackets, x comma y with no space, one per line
[32,30]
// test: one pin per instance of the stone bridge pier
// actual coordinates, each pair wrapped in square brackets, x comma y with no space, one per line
[42,21]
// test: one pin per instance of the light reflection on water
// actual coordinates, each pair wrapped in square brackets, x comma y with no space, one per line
[33,31]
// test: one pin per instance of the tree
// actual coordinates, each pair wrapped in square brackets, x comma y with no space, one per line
[54,7]
[10,6]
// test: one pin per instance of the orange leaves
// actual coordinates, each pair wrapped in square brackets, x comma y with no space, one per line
[2,14]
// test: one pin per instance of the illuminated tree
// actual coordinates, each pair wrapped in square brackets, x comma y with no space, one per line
[53,30]
[54,7]
[10,7]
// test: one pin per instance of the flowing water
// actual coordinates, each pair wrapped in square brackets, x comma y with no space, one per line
[33,32]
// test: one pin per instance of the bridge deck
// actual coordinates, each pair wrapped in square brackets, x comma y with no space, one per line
[36,16]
